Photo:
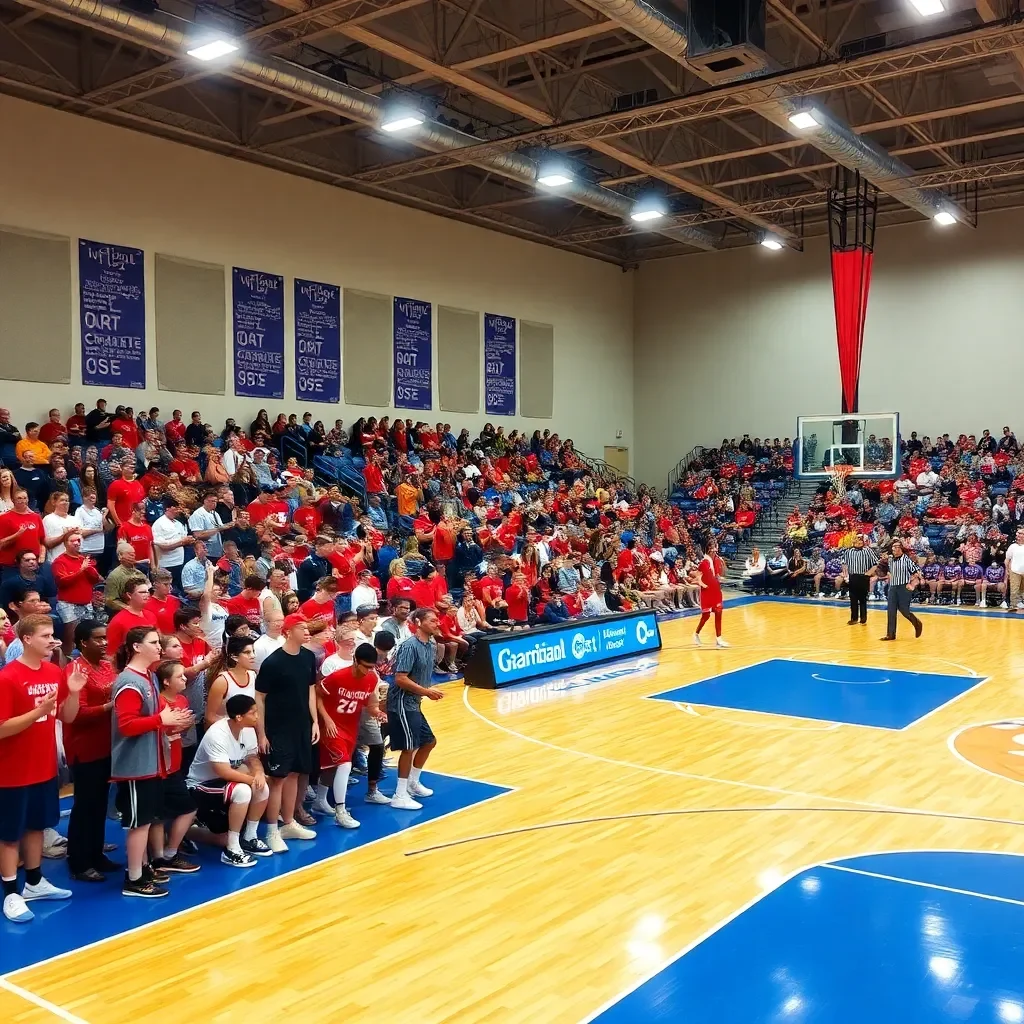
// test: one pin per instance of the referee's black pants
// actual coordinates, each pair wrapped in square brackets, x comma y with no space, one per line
[859,584]
[899,601]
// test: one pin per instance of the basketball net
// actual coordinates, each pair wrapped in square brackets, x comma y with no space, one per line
[838,475]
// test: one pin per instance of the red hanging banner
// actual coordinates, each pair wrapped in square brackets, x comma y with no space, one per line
[851,281]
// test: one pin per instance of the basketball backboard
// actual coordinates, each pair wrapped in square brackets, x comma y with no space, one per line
[869,442]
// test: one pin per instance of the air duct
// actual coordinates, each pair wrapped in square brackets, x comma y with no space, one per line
[834,138]
[298,83]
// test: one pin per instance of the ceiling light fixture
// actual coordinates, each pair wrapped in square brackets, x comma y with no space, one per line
[804,120]
[213,49]
[944,218]
[928,8]
[554,173]
[648,209]
[400,122]
[771,243]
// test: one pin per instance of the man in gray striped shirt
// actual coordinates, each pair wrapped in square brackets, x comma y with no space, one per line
[858,562]
[904,576]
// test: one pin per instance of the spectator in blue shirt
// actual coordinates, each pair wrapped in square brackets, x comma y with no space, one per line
[193,572]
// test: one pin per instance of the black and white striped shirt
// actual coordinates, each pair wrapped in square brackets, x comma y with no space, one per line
[901,569]
[859,560]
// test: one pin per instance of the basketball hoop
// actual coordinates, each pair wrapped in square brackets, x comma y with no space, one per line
[838,475]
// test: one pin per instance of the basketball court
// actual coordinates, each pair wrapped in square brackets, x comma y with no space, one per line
[807,826]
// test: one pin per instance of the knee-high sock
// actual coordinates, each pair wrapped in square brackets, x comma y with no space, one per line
[375,761]
[704,616]
[718,622]
[341,783]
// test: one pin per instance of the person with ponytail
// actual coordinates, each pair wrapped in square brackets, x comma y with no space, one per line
[234,671]
[140,754]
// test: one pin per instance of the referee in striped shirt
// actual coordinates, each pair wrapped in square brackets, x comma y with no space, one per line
[904,575]
[859,561]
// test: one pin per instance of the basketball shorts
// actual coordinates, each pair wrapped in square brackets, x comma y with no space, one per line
[291,752]
[337,749]
[408,728]
[140,802]
[28,809]
[211,800]
[177,798]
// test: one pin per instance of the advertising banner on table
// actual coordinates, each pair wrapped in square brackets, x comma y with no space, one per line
[499,365]
[317,341]
[257,322]
[112,304]
[413,342]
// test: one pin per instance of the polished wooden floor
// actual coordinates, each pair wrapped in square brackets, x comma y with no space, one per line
[531,924]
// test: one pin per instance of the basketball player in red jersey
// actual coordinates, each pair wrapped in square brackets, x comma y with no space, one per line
[708,574]
[340,697]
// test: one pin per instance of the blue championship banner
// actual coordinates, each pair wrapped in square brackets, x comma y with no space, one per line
[413,333]
[112,306]
[257,320]
[515,657]
[317,341]
[499,365]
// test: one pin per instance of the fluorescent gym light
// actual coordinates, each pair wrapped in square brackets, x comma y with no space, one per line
[771,243]
[401,122]
[927,8]
[553,180]
[651,208]
[213,49]
[804,120]
[944,218]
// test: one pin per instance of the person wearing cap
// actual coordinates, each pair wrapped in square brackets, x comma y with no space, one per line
[858,562]
[170,538]
[288,728]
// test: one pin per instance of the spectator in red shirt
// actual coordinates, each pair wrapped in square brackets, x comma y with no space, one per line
[125,425]
[517,600]
[174,429]
[76,423]
[321,604]
[161,601]
[307,516]
[135,614]
[137,532]
[75,576]
[52,428]
[399,585]
[373,476]
[21,529]
[267,508]
[247,603]
[32,695]
[455,645]
[87,748]
[124,494]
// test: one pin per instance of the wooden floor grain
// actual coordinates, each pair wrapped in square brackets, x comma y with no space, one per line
[665,821]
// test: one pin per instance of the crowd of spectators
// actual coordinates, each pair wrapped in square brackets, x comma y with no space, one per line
[956,506]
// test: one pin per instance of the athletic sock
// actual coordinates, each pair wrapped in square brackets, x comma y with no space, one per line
[135,876]
[10,886]
[272,829]
[321,794]
[233,846]
[402,788]
[33,876]
[414,775]
[170,852]
[341,784]
[250,829]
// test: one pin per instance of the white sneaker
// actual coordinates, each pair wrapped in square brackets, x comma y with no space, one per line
[293,830]
[377,797]
[16,909]
[405,803]
[322,808]
[721,643]
[276,843]
[418,789]
[959,602]
[696,640]
[1004,605]
[344,819]
[55,846]
[44,890]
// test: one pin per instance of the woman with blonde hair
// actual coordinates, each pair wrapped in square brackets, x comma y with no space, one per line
[7,486]
[215,471]
[399,584]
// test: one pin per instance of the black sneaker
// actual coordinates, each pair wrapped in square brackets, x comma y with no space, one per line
[256,847]
[176,865]
[108,866]
[143,888]
[155,875]
[237,860]
[189,847]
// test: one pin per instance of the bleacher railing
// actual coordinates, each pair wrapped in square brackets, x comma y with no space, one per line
[680,468]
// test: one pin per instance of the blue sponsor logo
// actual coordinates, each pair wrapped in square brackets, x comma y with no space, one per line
[578,644]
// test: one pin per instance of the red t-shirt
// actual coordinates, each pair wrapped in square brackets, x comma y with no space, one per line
[128,430]
[276,511]
[192,650]
[374,479]
[491,587]
[73,585]
[314,609]
[518,600]
[164,611]
[174,431]
[139,535]
[308,518]
[87,738]
[76,426]
[179,701]
[31,755]
[49,432]
[422,592]
[29,540]
[118,627]
[187,469]
[449,622]
[444,543]
[247,606]
[122,495]
[344,573]
[399,586]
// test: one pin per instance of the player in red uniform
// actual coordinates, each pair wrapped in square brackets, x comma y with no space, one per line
[340,698]
[708,574]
